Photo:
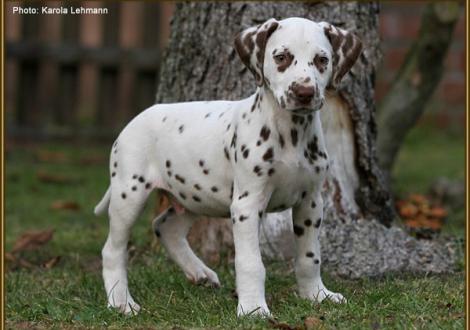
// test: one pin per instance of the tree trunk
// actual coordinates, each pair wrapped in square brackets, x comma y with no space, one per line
[201,64]
[415,82]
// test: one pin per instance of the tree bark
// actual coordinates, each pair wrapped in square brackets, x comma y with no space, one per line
[201,64]
[416,81]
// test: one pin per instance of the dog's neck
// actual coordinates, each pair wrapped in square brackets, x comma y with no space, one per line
[285,122]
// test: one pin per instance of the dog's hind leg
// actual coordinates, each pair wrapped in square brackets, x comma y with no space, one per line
[172,228]
[127,197]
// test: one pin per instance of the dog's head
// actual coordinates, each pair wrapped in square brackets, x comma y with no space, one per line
[297,59]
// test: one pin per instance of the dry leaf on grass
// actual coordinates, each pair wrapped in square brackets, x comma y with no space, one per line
[65,205]
[31,240]
[420,216]
[51,262]
[54,178]
[48,156]
[281,325]
[311,322]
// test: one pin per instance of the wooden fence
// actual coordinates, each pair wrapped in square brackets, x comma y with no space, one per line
[70,75]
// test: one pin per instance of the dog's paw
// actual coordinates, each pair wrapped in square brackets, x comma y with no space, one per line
[259,310]
[204,276]
[323,293]
[130,308]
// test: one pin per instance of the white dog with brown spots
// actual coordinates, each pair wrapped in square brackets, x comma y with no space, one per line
[241,159]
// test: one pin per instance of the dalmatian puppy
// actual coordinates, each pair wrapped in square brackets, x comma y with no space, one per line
[238,159]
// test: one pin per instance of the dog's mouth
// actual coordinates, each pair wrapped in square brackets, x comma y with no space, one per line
[306,110]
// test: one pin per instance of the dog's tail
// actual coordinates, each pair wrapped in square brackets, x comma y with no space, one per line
[104,203]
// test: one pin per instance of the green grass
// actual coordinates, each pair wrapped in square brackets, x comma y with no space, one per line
[71,294]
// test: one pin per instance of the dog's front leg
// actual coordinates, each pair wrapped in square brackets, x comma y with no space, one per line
[247,210]
[307,218]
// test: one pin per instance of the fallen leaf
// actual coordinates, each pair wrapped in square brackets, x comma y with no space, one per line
[10,257]
[54,178]
[32,240]
[418,199]
[51,263]
[25,263]
[280,325]
[438,212]
[408,210]
[51,156]
[65,205]
[311,322]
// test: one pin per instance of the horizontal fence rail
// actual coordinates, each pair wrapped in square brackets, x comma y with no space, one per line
[74,75]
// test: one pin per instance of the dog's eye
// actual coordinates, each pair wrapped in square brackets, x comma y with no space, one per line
[323,60]
[280,58]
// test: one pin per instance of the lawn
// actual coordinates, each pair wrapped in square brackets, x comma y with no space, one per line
[69,293]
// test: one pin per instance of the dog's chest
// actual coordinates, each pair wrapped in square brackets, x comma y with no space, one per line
[296,177]
[285,153]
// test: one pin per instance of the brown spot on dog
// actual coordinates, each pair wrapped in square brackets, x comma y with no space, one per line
[316,261]
[147,185]
[180,178]
[113,174]
[271,171]
[246,153]
[281,140]
[283,60]
[134,188]
[321,62]
[205,171]
[196,198]
[308,222]
[181,129]
[169,173]
[214,189]
[294,137]
[318,223]
[245,194]
[226,153]
[168,164]
[309,254]
[197,187]
[268,155]
[182,195]
[123,195]
[234,140]
[242,217]
[265,132]
[141,179]
[299,231]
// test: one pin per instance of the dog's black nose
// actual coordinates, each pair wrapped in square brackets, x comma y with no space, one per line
[304,94]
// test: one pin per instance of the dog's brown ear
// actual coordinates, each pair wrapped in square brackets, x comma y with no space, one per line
[346,50]
[250,45]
